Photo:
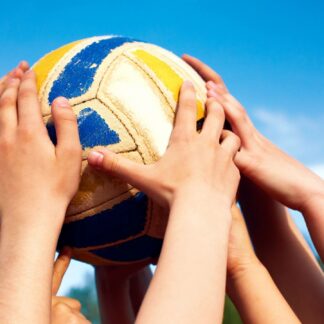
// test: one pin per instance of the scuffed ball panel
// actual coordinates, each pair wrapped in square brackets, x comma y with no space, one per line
[141,248]
[123,221]
[124,94]
[78,75]
[133,95]
[46,64]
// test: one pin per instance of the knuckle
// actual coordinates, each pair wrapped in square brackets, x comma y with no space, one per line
[27,131]
[6,100]
[62,307]
[67,115]
[240,113]
[74,149]
[26,93]
[76,304]
[112,164]
[216,109]
[6,144]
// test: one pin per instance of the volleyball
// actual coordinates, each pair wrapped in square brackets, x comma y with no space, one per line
[124,93]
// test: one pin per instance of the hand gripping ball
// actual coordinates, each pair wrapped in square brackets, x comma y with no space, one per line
[124,93]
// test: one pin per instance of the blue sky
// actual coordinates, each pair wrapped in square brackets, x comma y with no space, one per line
[270,53]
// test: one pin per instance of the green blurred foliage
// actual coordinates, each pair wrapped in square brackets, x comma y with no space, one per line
[87,296]
[231,315]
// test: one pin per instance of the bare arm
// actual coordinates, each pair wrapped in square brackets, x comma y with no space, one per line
[197,180]
[33,200]
[282,249]
[249,284]
[278,174]
[121,290]
[189,282]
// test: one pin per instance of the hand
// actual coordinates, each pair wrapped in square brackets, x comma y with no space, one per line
[64,310]
[34,174]
[240,250]
[282,177]
[192,163]
[17,72]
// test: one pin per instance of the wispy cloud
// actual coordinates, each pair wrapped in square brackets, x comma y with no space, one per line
[299,135]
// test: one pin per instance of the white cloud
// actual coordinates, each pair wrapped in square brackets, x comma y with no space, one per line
[299,135]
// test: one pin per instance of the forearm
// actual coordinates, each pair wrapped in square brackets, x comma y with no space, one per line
[139,284]
[26,262]
[313,212]
[282,249]
[253,291]
[114,298]
[189,283]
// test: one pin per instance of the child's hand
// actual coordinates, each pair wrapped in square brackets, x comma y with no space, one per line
[284,178]
[34,174]
[192,160]
[64,310]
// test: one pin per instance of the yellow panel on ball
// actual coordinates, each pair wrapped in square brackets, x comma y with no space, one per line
[124,93]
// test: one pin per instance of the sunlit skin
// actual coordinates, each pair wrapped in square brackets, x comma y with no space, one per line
[121,290]
[245,276]
[271,180]
[189,283]
[37,181]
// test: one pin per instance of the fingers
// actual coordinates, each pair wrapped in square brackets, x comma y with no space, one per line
[60,266]
[71,302]
[230,142]
[17,72]
[24,66]
[204,70]
[214,121]
[66,127]
[185,119]
[131,172]
[214,89]
[235,115]
[8,105]
[29,112]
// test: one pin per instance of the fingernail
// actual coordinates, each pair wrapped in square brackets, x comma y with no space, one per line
[95,158]
[212,84]
[212,93]
[187,83]
[12,80]
[61,102]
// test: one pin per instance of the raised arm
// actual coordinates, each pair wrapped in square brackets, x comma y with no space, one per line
[197,180]
[272,175]
[249,284]
[278,174]
[37,181]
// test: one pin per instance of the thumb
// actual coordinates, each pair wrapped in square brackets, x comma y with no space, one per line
[131,172]
[60,266]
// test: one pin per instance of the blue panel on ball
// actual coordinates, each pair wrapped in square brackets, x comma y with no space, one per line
[78,74]
[138,249]
[93,130]
[51,132]
[121,222]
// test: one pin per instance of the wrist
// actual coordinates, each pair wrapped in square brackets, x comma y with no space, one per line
[203,195]
[314,197]
[45,221]
[242,271]
[202,205]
